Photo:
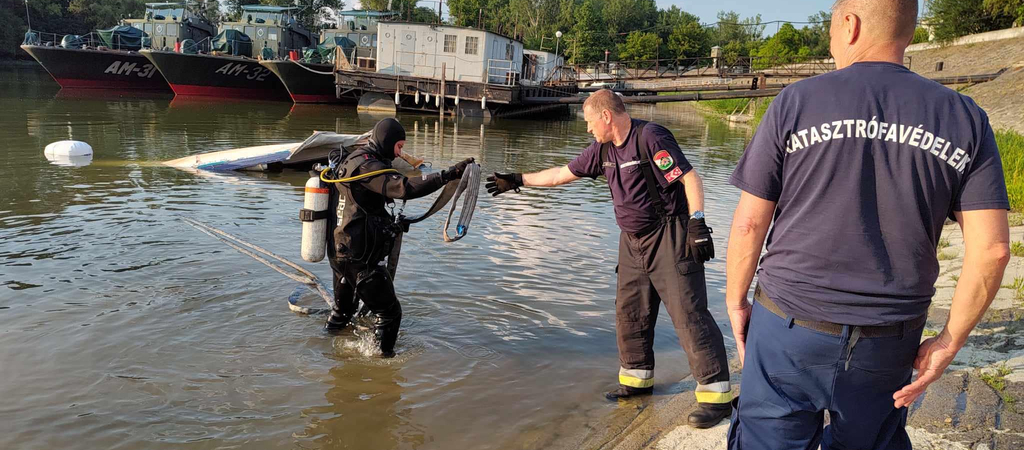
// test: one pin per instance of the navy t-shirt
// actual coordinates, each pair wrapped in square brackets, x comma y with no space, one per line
[866,163]
[634,210]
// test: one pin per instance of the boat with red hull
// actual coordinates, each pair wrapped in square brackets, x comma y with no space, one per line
[197,75]
[77,68]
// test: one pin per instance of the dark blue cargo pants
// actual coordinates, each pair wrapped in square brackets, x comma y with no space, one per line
[792,375]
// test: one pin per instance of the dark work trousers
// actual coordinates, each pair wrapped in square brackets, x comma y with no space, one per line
[792,375]
[652,270]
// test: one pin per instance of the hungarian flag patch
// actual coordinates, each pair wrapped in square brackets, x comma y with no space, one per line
[663,160]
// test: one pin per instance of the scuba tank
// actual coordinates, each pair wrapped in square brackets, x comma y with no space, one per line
[314,220]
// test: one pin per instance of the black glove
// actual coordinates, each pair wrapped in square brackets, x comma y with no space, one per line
[503,182]
[455,172]
[698,241]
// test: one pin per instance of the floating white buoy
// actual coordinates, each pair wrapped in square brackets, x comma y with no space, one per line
[396,97]
[69,153]
[68,148]
[417,97]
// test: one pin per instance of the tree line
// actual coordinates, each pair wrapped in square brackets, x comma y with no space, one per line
[591,30]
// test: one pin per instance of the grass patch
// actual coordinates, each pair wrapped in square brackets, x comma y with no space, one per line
[945,256]
[930,333]
[955,278]
[725,106]
[1018,288]
[997,379]
[1016,219]
[943,243]
[1011,151]
[1017,248]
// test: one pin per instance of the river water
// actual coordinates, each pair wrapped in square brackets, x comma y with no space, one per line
[123,327]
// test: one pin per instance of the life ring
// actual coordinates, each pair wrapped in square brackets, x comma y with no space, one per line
[365,40]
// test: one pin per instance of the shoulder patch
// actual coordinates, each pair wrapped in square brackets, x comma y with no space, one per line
[663,160]
[673,175]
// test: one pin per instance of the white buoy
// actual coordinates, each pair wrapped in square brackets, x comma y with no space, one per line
[417,97]
[396,97]
[483,102]
[437,101]
[456,99]
[68,148]
[428,97]
[69,153]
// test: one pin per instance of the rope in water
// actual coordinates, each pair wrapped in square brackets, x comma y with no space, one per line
[303,276]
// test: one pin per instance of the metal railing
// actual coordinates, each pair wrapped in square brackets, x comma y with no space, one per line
[503,72]
[75,41]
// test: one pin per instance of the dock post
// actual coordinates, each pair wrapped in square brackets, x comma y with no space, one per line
[441,93]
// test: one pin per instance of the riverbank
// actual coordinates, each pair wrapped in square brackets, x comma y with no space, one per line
[978,403]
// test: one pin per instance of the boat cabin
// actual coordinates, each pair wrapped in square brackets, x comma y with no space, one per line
[467,54]
[169,23]
[272,27]
[357,34]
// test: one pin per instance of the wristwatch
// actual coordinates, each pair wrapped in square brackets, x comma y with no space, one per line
[697,215]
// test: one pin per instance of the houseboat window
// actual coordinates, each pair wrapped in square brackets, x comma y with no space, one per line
[250,31]
[354,37]
[272,35]
[450,42]
[172,30]
[148,28]
[472,43]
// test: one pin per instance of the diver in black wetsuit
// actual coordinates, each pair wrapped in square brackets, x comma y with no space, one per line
[364,230]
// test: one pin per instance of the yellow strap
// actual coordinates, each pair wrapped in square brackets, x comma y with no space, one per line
[714,397]
[355,178]
[627,380]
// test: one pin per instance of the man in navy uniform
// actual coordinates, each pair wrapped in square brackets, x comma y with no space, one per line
[659,202]
[859,169]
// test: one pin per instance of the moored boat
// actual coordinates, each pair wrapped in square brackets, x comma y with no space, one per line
[109,59]
[230,68]
[311,78]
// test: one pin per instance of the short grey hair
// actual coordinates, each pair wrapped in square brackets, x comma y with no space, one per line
[893,20]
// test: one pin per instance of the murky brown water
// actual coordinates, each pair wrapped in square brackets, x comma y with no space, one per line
[123,327]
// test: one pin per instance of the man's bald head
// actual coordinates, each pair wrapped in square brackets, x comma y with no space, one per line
[882,20]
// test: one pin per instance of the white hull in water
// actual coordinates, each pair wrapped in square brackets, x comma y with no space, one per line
[261,158]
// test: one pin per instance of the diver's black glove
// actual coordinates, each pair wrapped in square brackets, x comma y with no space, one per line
[455,172]
[503,182]
[699,245]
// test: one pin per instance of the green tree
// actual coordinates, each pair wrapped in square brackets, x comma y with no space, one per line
[1013,9]
[587,40]
[951,19]
[423,14]
[737,37]
[622,17]
[784,47]
[682,34]
[106,13]
[233,9]
[921,35]
[309,11]
[816,35]
[639,46]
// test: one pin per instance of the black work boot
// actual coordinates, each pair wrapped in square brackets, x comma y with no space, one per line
[627,392]
[708,415]
[385,329]
[336,322]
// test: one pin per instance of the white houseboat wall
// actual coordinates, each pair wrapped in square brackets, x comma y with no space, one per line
[467,54]
[540,67]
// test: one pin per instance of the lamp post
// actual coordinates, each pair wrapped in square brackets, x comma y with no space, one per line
[558,38]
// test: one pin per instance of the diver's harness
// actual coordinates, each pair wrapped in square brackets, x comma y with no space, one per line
[398,224]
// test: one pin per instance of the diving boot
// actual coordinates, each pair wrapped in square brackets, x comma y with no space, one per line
[708,415]
[627,391]
[385,329]
[337,322]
